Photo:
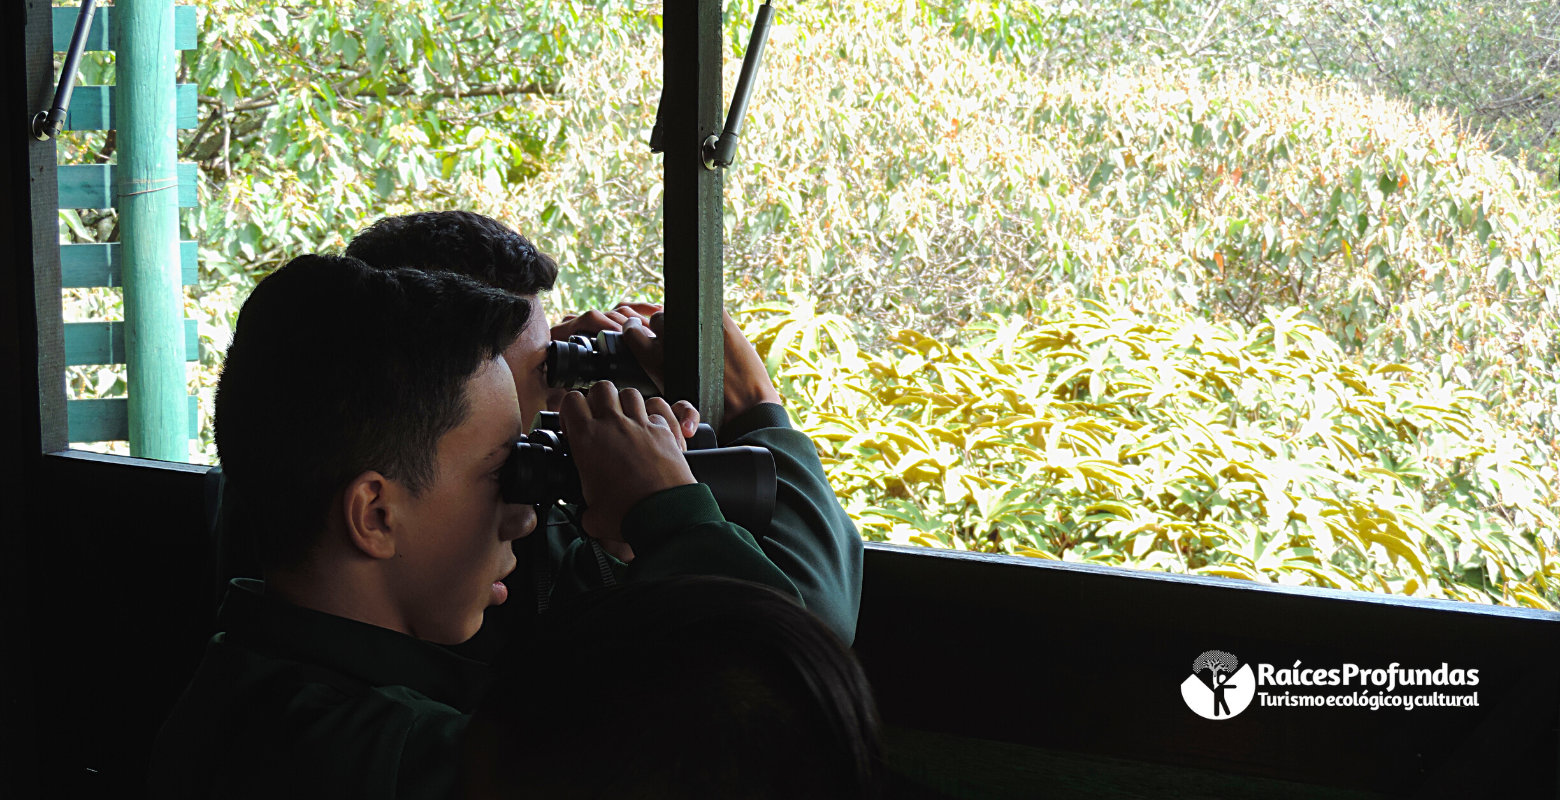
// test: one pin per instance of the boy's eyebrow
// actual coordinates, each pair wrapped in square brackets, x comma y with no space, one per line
[507,443]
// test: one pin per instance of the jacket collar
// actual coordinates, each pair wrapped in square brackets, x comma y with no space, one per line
[377,656]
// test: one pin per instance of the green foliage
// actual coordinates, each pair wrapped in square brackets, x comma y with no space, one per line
[319,117]
[1100,36]
[360,110]
[893,175]
[921,166]
[1402,239]
[1166,442]
[1495,64]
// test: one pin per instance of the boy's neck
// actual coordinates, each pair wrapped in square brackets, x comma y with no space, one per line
[351,591]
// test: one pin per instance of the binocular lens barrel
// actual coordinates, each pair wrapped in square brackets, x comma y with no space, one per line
[580,362]
[541,472]
[537,474]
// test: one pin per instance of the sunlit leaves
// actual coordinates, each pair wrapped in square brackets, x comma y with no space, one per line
[1163,441]
[317,118]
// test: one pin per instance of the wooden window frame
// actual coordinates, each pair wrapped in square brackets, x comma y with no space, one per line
[1016,669]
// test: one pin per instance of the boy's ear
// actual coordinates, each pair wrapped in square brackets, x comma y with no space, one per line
[368,507]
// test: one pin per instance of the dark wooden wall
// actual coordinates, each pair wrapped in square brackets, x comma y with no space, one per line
[105,590]
[123,603]
[998,677]
[1075,664]
[19,435]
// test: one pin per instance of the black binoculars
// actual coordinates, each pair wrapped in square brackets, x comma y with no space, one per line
[541,472]
[580,362]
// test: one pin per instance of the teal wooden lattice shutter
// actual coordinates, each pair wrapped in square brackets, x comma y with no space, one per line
[95,186]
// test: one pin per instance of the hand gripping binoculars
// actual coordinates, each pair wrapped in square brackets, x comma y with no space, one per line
[581,361]
[541,472]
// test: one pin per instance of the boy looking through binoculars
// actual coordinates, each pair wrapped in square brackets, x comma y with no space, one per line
[364,417]
[810,537]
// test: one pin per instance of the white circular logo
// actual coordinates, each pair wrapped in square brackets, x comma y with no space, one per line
[1219,687]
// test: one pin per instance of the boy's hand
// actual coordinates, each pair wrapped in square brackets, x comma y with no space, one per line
[623,452]
[657,406]
[746,381]
[685,415]
[593,322]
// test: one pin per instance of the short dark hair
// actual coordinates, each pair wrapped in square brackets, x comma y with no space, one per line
[461,242]
[696,686]
[337,368]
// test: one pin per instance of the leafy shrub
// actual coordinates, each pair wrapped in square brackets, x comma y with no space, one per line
[893,175]
[1162,441]
[1403,239]
[1494,64]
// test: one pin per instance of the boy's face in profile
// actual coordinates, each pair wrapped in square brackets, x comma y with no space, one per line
[452,542]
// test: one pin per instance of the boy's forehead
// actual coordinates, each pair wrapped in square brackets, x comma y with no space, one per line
[538,311]
[536,332]
[492,408]
[492,389]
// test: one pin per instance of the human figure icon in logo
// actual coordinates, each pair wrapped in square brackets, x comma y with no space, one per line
[1220,683]
[1221,667]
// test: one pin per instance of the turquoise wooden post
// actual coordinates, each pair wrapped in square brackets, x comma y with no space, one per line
[148,199]
[95,186]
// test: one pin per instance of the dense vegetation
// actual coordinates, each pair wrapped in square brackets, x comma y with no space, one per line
[1164,441]
[1255,289]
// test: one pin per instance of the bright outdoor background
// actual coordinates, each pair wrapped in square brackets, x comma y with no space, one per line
[1242,288]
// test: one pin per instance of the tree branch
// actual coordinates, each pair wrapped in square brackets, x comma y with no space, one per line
[1201,41]
[476,91]
[403,90]
[200,133]
[211,146]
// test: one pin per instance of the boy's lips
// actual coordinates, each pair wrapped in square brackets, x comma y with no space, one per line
[500,591]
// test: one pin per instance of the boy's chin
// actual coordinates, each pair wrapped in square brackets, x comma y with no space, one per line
[456,631]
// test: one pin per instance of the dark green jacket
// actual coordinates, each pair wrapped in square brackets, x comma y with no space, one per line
[810,539]
[292,702]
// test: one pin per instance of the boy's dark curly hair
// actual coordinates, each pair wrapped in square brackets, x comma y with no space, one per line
[461,242]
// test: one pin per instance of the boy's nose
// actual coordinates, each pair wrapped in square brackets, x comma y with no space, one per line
[519,521]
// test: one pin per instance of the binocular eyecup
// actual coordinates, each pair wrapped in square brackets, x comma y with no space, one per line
[541,472]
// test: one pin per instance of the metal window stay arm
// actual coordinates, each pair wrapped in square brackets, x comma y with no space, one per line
[720,151]
[48,123]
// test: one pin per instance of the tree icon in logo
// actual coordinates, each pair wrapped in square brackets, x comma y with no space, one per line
[1225,691]
[1221,666]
